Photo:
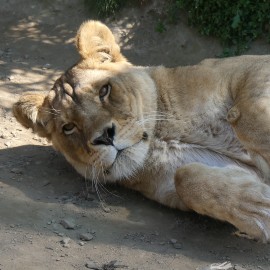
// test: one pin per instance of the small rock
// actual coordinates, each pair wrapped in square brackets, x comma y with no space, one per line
[173,241]
[32,24]
[67,224]
[7,144]
[86,236]
[10,78]
[65,242]
[217,266]
[237,267]
[81,243]
[3,136]
[92,265]
[46,66]
[177,246]
[106,209]
[16,170]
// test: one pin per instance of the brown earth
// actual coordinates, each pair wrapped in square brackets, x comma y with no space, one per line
[38,189]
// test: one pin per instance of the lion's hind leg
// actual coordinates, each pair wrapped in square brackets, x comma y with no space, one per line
[230,194]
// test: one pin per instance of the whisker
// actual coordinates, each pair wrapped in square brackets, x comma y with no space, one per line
[86,179]
[97,190]
[103,187]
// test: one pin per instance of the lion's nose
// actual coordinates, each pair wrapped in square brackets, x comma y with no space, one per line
[107,137]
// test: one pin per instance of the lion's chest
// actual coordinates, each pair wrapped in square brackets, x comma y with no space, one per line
[166,157]
[201,134]
[170,155]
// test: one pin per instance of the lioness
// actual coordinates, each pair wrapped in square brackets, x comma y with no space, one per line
[193,138]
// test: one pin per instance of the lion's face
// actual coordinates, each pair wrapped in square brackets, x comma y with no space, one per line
[99,121]
[96,112]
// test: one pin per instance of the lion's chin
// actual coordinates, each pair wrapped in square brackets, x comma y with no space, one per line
[125,165]
[128,162]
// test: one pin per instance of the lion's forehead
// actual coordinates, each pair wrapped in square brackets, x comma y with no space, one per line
[85,77]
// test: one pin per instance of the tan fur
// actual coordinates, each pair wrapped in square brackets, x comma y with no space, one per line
[193,138]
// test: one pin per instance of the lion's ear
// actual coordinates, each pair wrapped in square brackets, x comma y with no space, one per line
[95,41]
[32,110]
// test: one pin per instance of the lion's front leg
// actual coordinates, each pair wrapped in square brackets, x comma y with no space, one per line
[230,194]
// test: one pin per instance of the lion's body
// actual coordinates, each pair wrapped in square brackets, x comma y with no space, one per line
[192,107]
[193,138]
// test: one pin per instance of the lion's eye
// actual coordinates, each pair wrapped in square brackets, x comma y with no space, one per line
[104,91]
[69,128]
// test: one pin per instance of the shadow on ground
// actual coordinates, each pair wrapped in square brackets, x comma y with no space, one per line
[46,188]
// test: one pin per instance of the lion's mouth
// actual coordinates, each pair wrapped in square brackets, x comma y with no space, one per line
[121,152]
[118,154]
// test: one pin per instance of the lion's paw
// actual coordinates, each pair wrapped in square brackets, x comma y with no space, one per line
[252,215]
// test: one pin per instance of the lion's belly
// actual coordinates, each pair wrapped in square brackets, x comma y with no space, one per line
[167,157]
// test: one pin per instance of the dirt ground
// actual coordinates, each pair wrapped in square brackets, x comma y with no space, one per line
[40,194]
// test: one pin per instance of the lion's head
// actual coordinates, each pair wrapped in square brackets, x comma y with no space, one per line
[96,113]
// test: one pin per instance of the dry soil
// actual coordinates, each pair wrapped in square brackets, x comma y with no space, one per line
[47,212]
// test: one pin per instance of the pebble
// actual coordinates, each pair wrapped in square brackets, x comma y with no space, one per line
[3,136]
[46,66]
[86,236]
[16,170]
[81,243]
[173,241]
[177,246]
[106,209]
[65,242]
[67,224]
[92,265]
[237,267]
[10,78]
[7,144]
[217,266]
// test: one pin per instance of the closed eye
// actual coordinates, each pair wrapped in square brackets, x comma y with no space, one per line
[69,128]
